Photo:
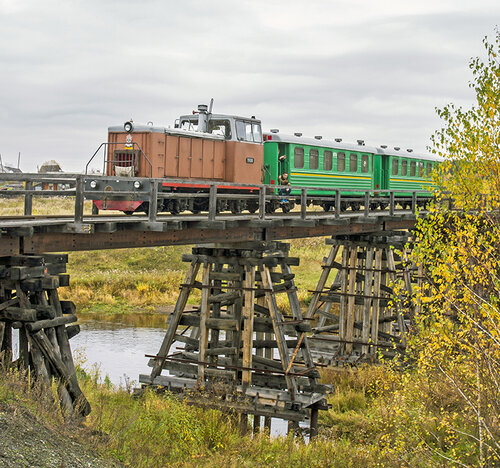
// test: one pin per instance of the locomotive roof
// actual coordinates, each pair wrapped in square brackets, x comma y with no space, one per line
[220,117]
[172,131]
[348,146]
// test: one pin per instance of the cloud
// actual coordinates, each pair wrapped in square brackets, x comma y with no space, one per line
[354,69]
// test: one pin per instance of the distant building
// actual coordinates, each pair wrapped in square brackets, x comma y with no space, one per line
[8,169]
[49,166]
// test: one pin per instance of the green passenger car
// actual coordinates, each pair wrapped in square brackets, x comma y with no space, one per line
[314,162]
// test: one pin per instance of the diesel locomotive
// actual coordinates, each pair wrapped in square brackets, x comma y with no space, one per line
[203,148]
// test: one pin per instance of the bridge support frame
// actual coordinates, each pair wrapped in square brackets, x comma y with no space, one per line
[243,355]
[29,303]
[367,310]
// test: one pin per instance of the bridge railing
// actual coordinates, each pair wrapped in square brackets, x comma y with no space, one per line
[218,194]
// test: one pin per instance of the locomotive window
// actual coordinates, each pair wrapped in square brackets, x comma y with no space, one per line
[413,166]
[341,162]
[220,127]
[395,166]
[246,131]
[313,159]
[327,160]
[420,169]
[353,162]
[364,163]
[429,169]
[404,167]
[298,157]
[257,133]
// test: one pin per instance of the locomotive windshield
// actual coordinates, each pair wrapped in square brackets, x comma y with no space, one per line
[248,131]
[220,127]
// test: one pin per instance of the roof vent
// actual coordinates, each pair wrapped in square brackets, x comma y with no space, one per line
[383,146]
[338,140]
[409,150]
[397,148]
[318,137]
[202,108]
[274,130]
[298,134]
[361,142]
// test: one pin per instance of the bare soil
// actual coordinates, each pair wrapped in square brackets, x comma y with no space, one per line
[26,442]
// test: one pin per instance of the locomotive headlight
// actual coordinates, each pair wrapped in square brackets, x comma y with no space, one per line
[93,184]
[137,184]
[128,127]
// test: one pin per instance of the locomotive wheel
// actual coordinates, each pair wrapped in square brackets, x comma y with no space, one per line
[374,206]
[270,207]
[327,206]
[285,207]
[355,206]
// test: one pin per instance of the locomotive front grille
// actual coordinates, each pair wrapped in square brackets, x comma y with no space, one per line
[125,158]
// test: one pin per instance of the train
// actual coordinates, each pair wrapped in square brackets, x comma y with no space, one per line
[203,147]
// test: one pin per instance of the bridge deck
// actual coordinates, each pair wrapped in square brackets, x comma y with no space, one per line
[28,233]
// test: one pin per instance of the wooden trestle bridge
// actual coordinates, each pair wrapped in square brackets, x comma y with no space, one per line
[241,352]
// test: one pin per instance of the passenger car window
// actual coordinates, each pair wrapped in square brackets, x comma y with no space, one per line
[420,169]
[364,163]
[313,159]
[413,169]
[353,162]
[341,162]
[404,167]
[327,160]
[429,169]
[395,166]
[298,157]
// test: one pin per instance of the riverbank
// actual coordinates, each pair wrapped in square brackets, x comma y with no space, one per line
[154,431]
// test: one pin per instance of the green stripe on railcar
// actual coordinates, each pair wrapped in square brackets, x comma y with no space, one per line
[315,166]
[408,174]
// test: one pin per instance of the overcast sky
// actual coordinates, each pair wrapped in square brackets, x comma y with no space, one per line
[355,69]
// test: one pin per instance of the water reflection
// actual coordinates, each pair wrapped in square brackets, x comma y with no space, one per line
[117,344]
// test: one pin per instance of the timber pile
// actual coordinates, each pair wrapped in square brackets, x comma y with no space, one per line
[240,353]
[30,305]
[361,315]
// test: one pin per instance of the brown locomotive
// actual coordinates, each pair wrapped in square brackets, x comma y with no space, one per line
[201,147]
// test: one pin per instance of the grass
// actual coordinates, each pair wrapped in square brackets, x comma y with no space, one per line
[376,419]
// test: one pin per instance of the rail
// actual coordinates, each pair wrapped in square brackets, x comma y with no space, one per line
[342,202]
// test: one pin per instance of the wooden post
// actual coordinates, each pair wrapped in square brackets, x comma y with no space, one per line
[365,334]
[204,313]
[314,422]
[79,198]
[377,277]
[337,203]
[343,297]
[349,335]
[28,198]
[262,202]
[212,202]
[153,201]
[303,203]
